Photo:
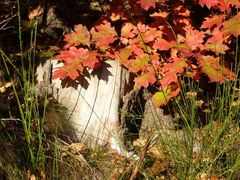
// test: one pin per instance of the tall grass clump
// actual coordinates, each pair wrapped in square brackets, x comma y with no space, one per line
[32,121]
[206,141]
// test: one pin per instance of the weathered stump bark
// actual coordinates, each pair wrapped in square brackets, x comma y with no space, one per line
[93,102]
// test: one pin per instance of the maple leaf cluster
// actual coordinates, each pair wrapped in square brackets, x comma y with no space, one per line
[84,49]
[156,43]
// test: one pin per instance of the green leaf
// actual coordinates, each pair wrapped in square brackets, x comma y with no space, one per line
[46,54]
[159,99]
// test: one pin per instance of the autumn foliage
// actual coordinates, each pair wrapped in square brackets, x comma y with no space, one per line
[158,41]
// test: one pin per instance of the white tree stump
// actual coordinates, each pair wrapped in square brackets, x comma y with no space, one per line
[92,102]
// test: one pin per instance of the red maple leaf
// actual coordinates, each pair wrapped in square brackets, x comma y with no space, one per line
[217,36]
[167,79]
[171,70]
[103,34]
[72,54]
[146,37]
[163,45]
[212,21]
[224,5]
[146,4]
[208,3]
[137,50]
[139,34]
[175,65]
[91,60]
[194,38]
[80,35]
[68,70]
[154,61]
[216,42]
[141,28]
[72,60]
[136,36]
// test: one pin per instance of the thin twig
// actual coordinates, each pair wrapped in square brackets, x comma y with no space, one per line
[10,119]
[5,22]
[151,141]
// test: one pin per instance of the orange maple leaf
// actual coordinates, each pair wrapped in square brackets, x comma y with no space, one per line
[232,26]
[145,79]
[103,34]
[215,71]
[80,35]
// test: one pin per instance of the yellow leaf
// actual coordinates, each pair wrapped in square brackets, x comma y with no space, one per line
[159,99]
